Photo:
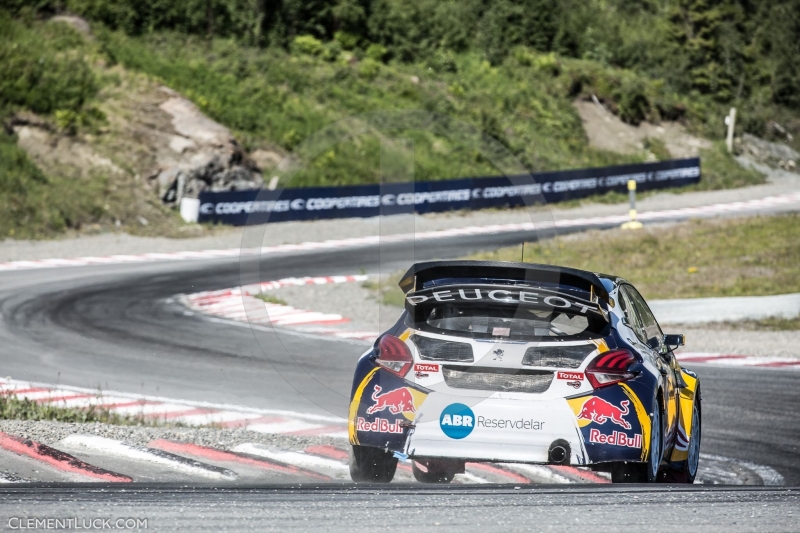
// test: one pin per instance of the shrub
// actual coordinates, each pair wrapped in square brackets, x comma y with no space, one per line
[307,44]
[377,52]
[548,63]
[348,41]
[331,51]
[443,61]
[43,74]
[369,69]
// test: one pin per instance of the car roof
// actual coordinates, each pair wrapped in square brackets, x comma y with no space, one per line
[431,270]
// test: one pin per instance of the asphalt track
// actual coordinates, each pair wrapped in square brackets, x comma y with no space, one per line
[116,327]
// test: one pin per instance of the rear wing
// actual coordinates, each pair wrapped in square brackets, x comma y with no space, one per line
[572,302]
[424,275]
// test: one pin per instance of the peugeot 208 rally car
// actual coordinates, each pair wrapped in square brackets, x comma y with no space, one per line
[523,363]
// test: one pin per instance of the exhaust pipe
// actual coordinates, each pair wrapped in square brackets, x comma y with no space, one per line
[559,453]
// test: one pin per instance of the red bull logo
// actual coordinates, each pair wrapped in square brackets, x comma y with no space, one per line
[618,438]
[598,410]
[396,401]
[379,425]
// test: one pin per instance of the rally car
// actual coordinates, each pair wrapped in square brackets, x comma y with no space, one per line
[523,363]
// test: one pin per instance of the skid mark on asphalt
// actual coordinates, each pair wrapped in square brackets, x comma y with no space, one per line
[357,242]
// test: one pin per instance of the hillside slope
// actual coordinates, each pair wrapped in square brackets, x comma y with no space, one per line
[104,156]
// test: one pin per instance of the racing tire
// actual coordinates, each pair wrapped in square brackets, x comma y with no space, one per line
[647,472]
[434,471]
[371,465]
[686,471]
[693,461]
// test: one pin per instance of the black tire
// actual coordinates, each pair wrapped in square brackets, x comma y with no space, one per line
[371,465]
[686,471]
[693,461]
[434,471]
[647,472]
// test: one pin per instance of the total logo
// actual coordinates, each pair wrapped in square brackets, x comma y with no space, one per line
[457,421]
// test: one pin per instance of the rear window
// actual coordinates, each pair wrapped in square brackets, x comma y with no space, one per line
[503,322]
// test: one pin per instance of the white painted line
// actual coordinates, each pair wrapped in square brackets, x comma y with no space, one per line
[282,427]
[541,472]
[468,477]
[769,475]
[337,435]
[214,418]
[294,458]
[117,448]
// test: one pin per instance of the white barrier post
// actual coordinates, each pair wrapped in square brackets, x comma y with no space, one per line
[190,209]
[730,121]
[632,223]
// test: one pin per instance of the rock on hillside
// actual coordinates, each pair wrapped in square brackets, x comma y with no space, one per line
[201,154]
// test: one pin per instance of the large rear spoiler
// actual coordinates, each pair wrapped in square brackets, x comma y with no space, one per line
[421,273]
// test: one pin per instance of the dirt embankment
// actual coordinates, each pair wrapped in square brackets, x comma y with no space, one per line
[151,148]
[607,132]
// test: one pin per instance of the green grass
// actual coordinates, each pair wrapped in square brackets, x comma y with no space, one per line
[35,205]
[773,323]
[386,289]
[695,259]
[12,408]
[271,299]
[699,258]
[272,98]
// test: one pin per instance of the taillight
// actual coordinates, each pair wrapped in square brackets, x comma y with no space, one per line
[609,368]
[394,355]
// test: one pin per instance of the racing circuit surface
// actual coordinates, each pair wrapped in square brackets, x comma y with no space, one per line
[118,327]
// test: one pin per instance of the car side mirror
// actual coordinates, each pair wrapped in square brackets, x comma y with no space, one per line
[653,343]
[673,342]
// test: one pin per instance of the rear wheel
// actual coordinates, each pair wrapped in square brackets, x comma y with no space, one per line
[686,471]
[371,465]
[624,472]
[434,471]
[693,461]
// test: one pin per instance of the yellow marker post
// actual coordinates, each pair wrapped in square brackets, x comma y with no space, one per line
[632,223]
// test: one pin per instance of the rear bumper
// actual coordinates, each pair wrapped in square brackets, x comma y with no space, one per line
[494,430]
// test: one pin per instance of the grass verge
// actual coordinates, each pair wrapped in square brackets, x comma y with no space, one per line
[12,408]
[773,323]
[696,259]
[271,299]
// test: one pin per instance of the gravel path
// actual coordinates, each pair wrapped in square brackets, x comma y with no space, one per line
[780,182]
[350,300]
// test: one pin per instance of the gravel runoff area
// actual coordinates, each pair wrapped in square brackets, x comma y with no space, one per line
[779,182]
[717,339]
[351,300]
[50,432]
